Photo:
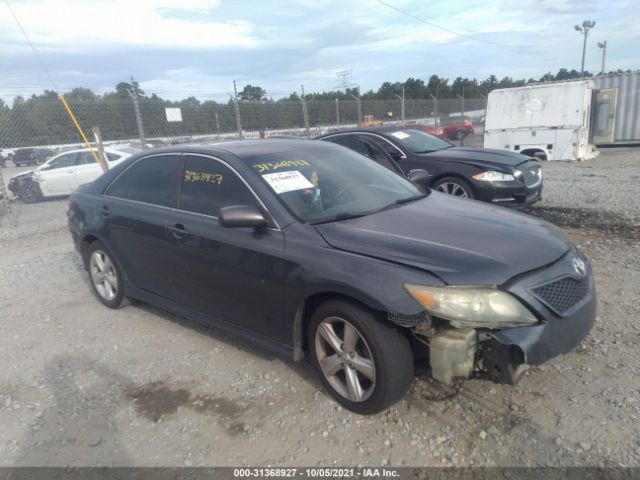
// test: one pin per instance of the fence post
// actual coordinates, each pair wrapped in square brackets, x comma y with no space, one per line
[101,155]
[136,108]
[435,110]
[305,115]
[461,97]
[337,112]
[234,99]
[217,124]
[359,106]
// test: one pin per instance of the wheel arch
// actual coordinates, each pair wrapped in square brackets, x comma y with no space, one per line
[455,175]
[306,308]
[531,151]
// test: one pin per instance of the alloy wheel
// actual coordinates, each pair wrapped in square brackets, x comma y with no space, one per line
[345,359]
[103,275]
[452,188]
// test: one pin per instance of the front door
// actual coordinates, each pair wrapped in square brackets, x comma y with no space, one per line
[58,176]
[231,274]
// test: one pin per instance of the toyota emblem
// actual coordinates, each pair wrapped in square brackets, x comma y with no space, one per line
[580,267]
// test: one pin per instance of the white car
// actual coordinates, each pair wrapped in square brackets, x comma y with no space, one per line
[62,174]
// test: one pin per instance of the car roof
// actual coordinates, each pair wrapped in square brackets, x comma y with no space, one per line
[379,129]
[251,148]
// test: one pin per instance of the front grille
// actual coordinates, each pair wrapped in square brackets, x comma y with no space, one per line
[562,295]
[532,175]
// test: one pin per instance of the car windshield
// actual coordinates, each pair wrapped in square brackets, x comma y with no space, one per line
[417,141]
[332,183]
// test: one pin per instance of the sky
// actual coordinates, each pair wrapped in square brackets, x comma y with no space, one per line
[180,48]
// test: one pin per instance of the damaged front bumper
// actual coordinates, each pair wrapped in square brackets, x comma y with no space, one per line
[563,298]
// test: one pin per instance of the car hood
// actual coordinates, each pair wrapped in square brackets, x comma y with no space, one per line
[487,156]
[24,174]
[464,242]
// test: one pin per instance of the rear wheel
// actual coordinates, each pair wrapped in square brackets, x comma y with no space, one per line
[454,186]
[366,365]
[460,135]
[105,276]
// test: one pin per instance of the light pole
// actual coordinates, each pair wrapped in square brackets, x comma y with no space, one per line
[584,30]
[603,46]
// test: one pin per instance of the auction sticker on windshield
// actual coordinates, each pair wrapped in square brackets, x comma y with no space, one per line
[400,135]
[283,182]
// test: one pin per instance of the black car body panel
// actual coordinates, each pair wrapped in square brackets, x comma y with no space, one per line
[258,282]
[462,162]
[442,244]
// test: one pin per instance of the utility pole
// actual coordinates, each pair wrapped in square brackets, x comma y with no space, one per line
[305,115]
[234,99]
[133,93]
[337,112]
[584,30]
[603,46]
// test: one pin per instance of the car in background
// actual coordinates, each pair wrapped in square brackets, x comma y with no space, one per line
[456,127]
[31,156]
[64,173]
[495,176]
[309,249]
[431,130]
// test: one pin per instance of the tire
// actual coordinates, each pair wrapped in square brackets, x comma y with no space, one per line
[460,135]
[454,186]
[380,350]
[110,291]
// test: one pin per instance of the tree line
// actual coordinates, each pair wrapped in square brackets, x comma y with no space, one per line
[42,120]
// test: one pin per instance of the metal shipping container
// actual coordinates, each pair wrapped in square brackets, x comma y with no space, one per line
[617,109]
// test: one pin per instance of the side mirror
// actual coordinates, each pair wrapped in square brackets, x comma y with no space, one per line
[241,216]
[419,175]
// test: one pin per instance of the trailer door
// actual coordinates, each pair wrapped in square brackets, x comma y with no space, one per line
[604,117]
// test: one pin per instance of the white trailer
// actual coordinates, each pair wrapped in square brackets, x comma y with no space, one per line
[548,121]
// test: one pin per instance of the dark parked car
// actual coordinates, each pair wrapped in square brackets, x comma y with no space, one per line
[308,248]
[495,176]
[31,156]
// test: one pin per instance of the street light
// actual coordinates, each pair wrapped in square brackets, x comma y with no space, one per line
[584,30]
[603,46]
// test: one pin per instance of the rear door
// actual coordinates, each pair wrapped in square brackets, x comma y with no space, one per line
[86,170]
[136,208]
[232,274]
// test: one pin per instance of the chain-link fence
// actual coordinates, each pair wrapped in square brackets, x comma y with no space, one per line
[43,156]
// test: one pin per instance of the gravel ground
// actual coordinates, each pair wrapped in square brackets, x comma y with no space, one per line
[85,385]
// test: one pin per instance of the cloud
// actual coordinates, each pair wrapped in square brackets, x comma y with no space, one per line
[84,25]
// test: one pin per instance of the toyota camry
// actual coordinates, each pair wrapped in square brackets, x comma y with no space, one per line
[310,249]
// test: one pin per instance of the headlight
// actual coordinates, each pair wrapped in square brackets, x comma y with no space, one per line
[492,176]
[466,307]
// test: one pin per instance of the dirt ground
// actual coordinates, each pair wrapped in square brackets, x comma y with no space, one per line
[84,385]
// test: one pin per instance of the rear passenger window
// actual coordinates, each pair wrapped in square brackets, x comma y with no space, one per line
[149,180]
[208,185]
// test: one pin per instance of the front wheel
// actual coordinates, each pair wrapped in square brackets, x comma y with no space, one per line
[30,192]
[454,186]
[366,365]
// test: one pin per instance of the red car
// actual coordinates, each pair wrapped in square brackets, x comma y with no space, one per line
[455,128]
[430,129]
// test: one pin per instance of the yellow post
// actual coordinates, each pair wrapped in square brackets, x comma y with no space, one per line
[75,122]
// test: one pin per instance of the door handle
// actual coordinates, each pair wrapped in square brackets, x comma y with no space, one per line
[105,211]
[178,231]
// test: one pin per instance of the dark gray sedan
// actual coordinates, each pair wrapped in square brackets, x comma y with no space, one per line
[309,248]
